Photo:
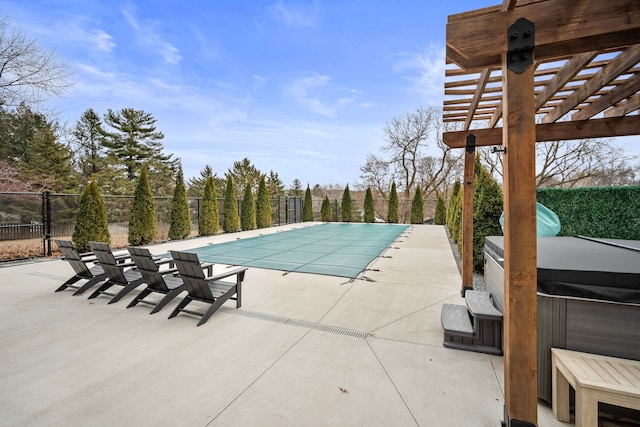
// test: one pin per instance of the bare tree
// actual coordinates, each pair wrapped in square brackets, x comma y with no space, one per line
[585,162]
[414,155]
[376,174]
[28,73]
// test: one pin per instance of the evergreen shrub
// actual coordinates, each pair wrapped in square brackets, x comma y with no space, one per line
[91,219]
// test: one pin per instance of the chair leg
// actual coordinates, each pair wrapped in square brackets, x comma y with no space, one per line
[215,306]
[106,285]
[89,284]
[139,297]
[180,306]
[68,283]
[166,299]
[125,290]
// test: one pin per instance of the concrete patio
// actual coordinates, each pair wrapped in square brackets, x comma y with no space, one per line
[354,353]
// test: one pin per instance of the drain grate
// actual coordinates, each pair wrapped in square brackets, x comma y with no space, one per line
[300,323]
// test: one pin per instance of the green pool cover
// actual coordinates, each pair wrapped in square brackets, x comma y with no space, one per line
[342,250]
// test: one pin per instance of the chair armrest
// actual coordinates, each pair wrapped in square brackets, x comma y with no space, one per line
[207,266]
[169,271]
[160,260]
[233,272]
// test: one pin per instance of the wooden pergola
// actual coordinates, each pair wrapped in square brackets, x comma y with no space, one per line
[527,71]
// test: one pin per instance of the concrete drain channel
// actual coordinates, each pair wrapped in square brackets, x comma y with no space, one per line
[299,323]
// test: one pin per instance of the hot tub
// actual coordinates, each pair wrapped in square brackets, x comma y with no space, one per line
[588,297]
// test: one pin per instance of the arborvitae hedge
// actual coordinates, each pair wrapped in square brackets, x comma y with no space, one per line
[604,212]
[248,215]
[440,216]
[455,221]
[454,211]
[91,219]
[369,213]
[454,194]
[231,222]
[208,220]
[307,206]
[346,206]
[179,217]
[392,215]
[263,206]
[417,208]
[326,213]
[487,208]
[142,219]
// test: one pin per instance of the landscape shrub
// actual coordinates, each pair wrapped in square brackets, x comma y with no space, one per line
[248,214]
[231,220]
[440,215]
[369,212]
[263,206]
[307,206]
[91,219]
[208,221]
[392,215]
[346,205]
[417,208]
[179,217]
[326,213]
[142,218]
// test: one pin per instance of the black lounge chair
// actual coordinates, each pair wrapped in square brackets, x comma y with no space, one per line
[208,289]
[157,280]
[84,266]
[118,273]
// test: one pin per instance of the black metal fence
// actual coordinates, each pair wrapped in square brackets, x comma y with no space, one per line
[46,215]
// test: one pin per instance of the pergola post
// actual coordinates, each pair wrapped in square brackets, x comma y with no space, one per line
[467,214]
[520,268]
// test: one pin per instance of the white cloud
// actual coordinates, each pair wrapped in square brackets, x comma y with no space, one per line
[296,16]
[304,92]
[102,40]
[148,35]
[425,71]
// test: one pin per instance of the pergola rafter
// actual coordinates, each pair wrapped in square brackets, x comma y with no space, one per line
[582,80]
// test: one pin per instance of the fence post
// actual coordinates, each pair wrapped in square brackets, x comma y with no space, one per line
[46,221]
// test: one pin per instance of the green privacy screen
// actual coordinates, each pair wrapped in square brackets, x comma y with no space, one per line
[334,249]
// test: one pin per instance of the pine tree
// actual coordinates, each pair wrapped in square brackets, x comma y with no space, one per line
[263,206]
[142,219]
[296,189]
[231,220]
[91,220]
[179,218]
[440,216]
[346,207]
[248,216]
[135,139]
[417,208]
[326,213]
[392,215]
[369,213]
[307,206]
[88,136]
[208,221]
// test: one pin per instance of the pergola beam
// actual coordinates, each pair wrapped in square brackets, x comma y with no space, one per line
[563,76]
[606,75]
[563,27]
[607,127]
[625,107]
[622,91]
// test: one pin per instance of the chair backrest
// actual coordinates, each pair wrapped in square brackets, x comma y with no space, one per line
[72,255]
[192,275]
[148,268]
[114,271]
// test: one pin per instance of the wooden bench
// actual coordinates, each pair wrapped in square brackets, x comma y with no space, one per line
[595,379]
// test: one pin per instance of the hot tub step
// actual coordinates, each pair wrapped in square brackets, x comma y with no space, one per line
[456,321]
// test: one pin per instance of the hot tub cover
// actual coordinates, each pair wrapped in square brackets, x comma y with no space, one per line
[602,269]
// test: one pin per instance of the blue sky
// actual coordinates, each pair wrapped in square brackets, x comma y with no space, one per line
[303,88]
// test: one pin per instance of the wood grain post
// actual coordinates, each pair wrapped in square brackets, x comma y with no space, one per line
[467,214]
[520,268]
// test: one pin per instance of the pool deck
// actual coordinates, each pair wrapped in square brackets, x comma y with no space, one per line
[355,353]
